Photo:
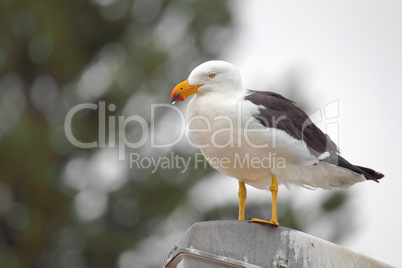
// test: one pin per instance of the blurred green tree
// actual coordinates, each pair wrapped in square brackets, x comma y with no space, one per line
[64,206]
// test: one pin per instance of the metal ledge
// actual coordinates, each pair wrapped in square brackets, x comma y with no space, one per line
[251,245]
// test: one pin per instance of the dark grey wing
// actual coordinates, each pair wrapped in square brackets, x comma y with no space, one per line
[282,113]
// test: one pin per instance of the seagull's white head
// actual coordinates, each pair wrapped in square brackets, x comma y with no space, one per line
[210,76]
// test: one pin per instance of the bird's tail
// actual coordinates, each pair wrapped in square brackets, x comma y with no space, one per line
[368,173]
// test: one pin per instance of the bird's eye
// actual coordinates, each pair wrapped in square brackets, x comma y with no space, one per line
[212,75]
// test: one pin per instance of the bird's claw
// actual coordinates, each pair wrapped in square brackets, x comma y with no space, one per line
[271,222]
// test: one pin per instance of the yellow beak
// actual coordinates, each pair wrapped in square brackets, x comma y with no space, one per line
[182,91]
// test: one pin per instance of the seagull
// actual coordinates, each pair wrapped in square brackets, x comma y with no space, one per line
[260,138]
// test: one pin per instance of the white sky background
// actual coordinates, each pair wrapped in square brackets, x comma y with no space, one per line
[349,51]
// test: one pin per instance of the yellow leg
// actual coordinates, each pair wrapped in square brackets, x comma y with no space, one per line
[242,200]
[274,191]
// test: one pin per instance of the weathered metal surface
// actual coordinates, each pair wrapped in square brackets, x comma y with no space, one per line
[251,245]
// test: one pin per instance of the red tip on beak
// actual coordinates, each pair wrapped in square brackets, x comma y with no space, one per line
[176,97]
